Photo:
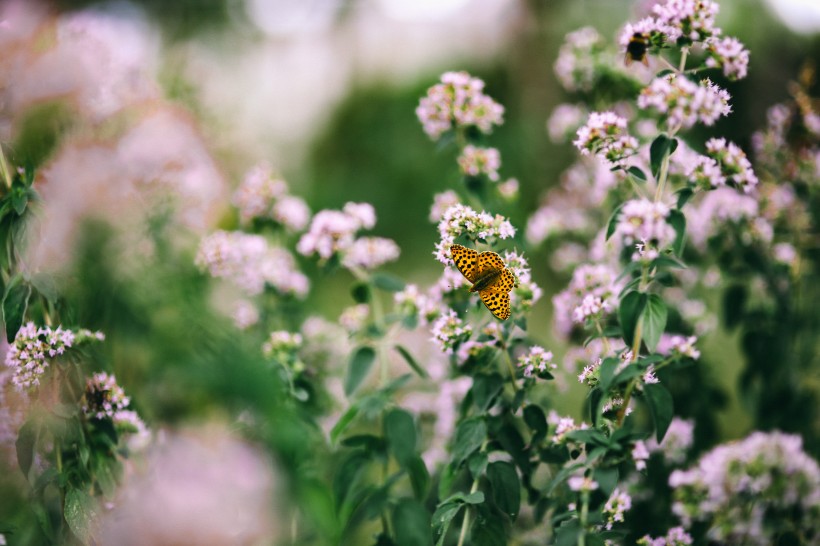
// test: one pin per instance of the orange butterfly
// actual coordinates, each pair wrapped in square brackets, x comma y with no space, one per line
[490,277]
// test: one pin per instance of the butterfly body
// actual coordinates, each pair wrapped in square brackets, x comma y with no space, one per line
[490,277]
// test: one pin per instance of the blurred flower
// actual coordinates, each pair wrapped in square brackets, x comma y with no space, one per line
[136,434]
[733,163]
[685,102]
[729,54]
[458,101]
[640,454]
[508,189]
[13,408]
[281,346]
[333,231]
[584,484]
[103,397]
[693,20]
[617,504]
[197,487]
[565,121]
[676,536]
[677,441]
[563,425]
[644,221]
[449,331]
[705,173]
[245,314]
[678,346]
[576,65]
[461,220]
[410,302]
[605,135]
[354,318]
[442,202]
[597,281]
[740,488]
[250,263]
[475,160]
[370,253]
[785,253]
[715,211]
[262,196]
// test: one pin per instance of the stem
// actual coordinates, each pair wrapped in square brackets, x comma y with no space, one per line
[294,528]
[4,168]
[662,176]
[511,368]
[684,53]
[636,349]
[601,333]
[582,536]
[466,523]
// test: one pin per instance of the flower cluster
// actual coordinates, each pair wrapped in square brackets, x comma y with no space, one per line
[261,196]
[676,443]
[678,346]
[576,63]
[734,487]
[103,398]
[281,345]
[449,331]
[617,504]
[441,202]
[685,102]
[605,135]
[526,293]
[536,361]
[458,101]
[250,263]
[717,209]
[734,164]
[565,121]
[410,302]
[643,222]
[676,536]
[461,220]
[596,281]
[370,253]
[730,54]
[29,353]
[475,160]
[689,20]
[582,484]
[563,425]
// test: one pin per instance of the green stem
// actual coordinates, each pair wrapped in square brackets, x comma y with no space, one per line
[4,168]
[582,536]
[603,337]
[662,176]
[682,65]
[465,524]
[511,368]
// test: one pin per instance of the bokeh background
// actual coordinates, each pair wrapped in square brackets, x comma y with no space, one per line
[192,93]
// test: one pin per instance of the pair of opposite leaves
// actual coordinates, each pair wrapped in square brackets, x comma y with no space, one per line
[490,278]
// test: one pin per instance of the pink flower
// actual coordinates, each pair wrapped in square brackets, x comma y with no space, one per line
[474,161]
[685,102]
[605,135]
[458,101]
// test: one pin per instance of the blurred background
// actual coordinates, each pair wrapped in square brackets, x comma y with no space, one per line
[113,101]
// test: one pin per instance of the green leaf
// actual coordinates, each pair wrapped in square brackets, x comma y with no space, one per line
[486,388]
[443,517]
[654,320]
[506,487]
[387,282]
[477,464]
[80,513]
[400,431]
[567,533]
[660,148]
[347,475]
[489,528]
[360,363]
[613,221]
[360,292]
[26,440]
[411,524]
[684,195]
[106,479]
[606,373]
[632,305]
[419,476]
[637,173]
[343,422]
[677,220]
[14,308]
[661,407]
[405,354]
[537,421]
[470,434]
[476,497]
[607,479]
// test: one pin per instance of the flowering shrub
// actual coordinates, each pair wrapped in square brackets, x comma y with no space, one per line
[428,412]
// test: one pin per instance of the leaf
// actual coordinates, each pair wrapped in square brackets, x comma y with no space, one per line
[470,434]
[486,388]
[660,148]
[506,487]
[607,479]
[606,373]
[477,464]
[677,220]
[411,524]
[567,533]
[26,440]
[400,431]
[360,292]
[347,474]
[343,422]
[632,305]
[637,173]
[387,282]
[419,476]
[80,513]
[476,497]
[654,320]
[661,407]
[613,221]
[14,308]
[19,199]
[443,517]
[684,195]
[537,421]
[360,363]
[489,528]
[405,354]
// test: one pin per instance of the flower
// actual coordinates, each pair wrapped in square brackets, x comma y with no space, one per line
[282,345]
[458,101]
[738,489]
[526,293]
[691,20]
[333,231]
[644,221]
[30,353]
[563,425]
[537,360]
[576,63]
[685,102]
[128,423]
[565,121]
[729,54]
[442,202]
[245,314]
[678,346]
[617,504]
[461,220]
[676,536]
[706,173]
[597,281]
[354,318]
[475,160]
[716,210]
[103,397]
[370,253]
[677,441]
[605,135]
[583,484]
[250,263]
[449,331]
[734,164]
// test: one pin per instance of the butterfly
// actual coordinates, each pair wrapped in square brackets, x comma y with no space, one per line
[490,277]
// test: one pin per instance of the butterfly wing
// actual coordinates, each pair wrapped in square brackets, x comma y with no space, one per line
[497,302]
[489,261]
[466,260]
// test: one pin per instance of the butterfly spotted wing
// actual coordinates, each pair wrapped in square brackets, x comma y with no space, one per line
[466,260]
[497,296]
